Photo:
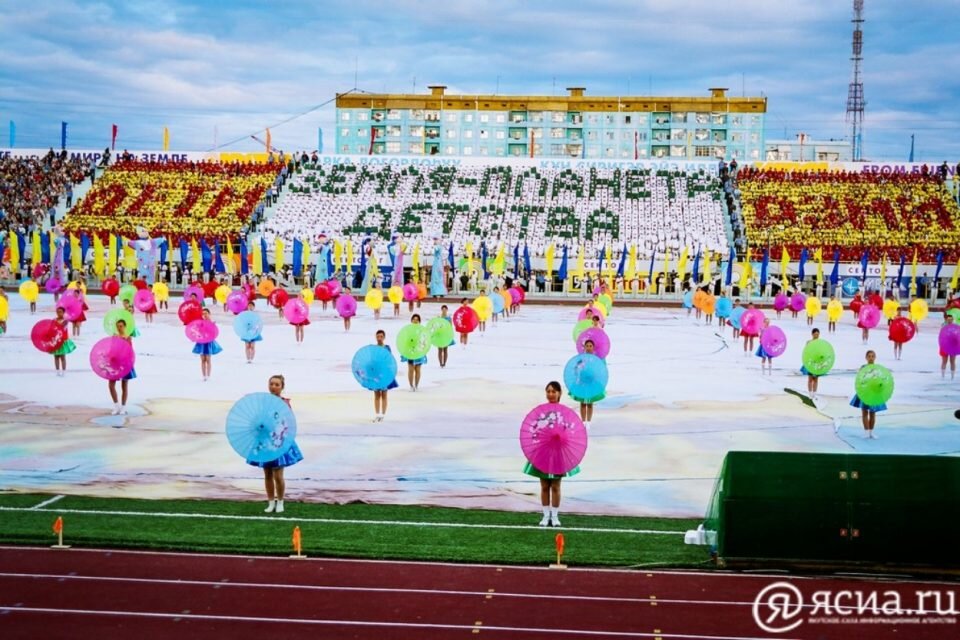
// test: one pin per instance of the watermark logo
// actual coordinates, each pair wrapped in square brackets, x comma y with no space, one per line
[781,607]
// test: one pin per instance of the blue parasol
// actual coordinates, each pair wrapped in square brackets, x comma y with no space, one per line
[374,367]
[248,325]
[586,378]
[261,427]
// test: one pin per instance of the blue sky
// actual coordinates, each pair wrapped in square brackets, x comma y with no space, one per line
[240,66]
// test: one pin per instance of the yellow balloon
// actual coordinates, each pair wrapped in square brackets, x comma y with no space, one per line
[890,308]
[29,290]
[160,291]
[307,295]
[834,310]
[918,310]
[374,299]
[83,287]
[395,294]
[221,294]
[814,306]
[4,308]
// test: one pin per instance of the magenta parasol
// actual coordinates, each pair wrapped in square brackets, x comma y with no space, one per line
[553,438]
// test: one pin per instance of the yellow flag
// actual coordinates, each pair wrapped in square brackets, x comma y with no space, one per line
[306,254]
[631,271]
[883,269]
[98,256]
[746,271]
[783,265]
[500,261]
[166,139]
[913,271]
[469,255]
[170,253]
[349,253]
[129,256]
[337,254]
[112,255]
[35,244]
[76,254]
[581,258]
[682,264]
[956,276]
[14,250]
[608,258]
[415,261]
[707,267]
[549,257]
[257,259]
[277,254]
[197,264]
[819,256]
[231,266]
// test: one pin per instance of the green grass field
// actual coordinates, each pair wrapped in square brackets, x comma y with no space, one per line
[349,531]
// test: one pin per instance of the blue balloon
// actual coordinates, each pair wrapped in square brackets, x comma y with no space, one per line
[851,286]
[497,303]
[724,307]
[374,367]
[586,378]
[688,299]
[735,316]
[248,325]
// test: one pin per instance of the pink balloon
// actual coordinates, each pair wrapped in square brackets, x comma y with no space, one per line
[410,291]
[296,311]
[774,341]
[112,358]
[869,316]
[346,306]
[334,287]
[588,312]
[601,342]
[72,306]
[950,339]
[237,302]
[798,301]
[202,331]
[751,321]
[143,300]
[780,301]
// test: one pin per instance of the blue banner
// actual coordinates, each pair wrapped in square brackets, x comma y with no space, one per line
[864,261]
[244,265]
[63,135]
[297,257]
[653,257]
[563,265]
[85,246]
[45,248]
[835,274]
[764,266]
[205,257]
[450,257]
[939,264]
[730,261]
[696,268]
[623,262]
[483,260]
[67,252]
[903,263]
[264,264]
[526,260]
[184,248]
[218,260]
[516,261]
[803,262]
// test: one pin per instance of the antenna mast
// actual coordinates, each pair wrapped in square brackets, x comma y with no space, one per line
[855,101]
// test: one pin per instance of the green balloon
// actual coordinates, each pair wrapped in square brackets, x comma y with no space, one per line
[955,313]
[127,292]
[413,341]
[606,301]
[874,384]
[441,332]
[110,321]
[580,327]
[818,357]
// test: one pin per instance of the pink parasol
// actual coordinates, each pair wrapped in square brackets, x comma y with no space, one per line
[601,342]
[588,312]
[334,287]
[798,301]
[201,331]
[780,301]
[869,316]
[72,306]
[193,289]
[553,438]
[774,341]
[53,285]
[112,358]
[296,311]
[751,321]
[515,294]
[48,335]
[143,300]
[39,269]
[410,291]
[237,301]
[949,339]
[346,306]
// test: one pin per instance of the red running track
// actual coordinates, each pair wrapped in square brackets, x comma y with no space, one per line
[79,593]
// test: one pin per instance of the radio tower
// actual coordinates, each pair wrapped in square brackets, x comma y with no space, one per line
[855,102]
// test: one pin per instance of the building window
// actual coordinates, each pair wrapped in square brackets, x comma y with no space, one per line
[431,115]
[451,134]
[719,119]
[450,150]
[535,116]
[679,117]
[627,119]
[501,151]
[755,120]
[468,151]
[394,114]
[701,134]
[642,152]
[556,116]
[416,114]
[593,152]
[393,131]
[484,134]
[484,151]
[557,132]
[610,136]
[416,130]
[501,135]
[624,153]
[703,118]
[610,119]
[755,154]
[363,116]
[468,117]
[736,121]
[468,133]
[641,119]
[677,134]
[501,117]
[754,138]
[642,136]
[626,135]
[346,132]
[345,149]
[701,152]
[736,137]
[678,151]
[719,152]
[593,119]
[484,117]
[557,149]
[415,148]
[345,116]
[610,152]
[393,147]
[451,117]
[592,135]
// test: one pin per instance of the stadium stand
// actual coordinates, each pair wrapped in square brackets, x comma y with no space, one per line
[538,206]
[29,187]
[852,212]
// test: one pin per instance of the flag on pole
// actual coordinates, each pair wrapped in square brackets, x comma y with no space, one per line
[244,264]
[682,263]
[278,255]
[733,258]
[231,265]
[818,254]
[98,255]
[76,252]
[166,139]
[708,267]
[63,135]
[267,144]
[113,136]
[499,263]
[205,255]
[264,259]
[516,261]
[112,254]
[864,261]
[764,267]
[58,525]
[483,260]
[913,271]
[581,262]
[883,269]
[549,256]
[218,265]
[696,268]
[801,271]
[784,260]
[623,262]
[450,257]
[939,264]
[835,273]
[631,271]
[562,273]
[415,261]
[956,276]
[903,263]
[653,255]
[196,257]
[526,260]
[746,273]
[297,258]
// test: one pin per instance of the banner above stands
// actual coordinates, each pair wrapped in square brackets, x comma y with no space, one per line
[143,156]
[882,168]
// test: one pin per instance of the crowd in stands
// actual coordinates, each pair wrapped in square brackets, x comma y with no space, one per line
[31,187]
[173,198]
[850,211]
[658,211]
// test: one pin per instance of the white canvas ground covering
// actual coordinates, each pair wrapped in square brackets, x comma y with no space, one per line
[680,396]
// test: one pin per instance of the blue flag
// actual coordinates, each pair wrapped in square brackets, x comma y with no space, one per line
[450,257]
[526,259]
[903,262]
[653,256]
[330,270]
[163,251]
[483,260]
[264,264]
[244,266]
[803,262]
[939,264]
[864,261]
[562,273]
[204,254]
[184,248]
[764,266]
[623,262]
[696,268]
[22,246]
[297,257]
[218,260]
[45,247]
[67,251]
[63,135]
[600,262]
[835,274]
[516,261]
[730,261]
[119,249]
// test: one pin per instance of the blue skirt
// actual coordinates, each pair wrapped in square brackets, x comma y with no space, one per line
[131,375]
[393,385]
[804,371]
[256,338]
[290,458]
[855,402]
[208,349]
[420,360]
[761,353]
